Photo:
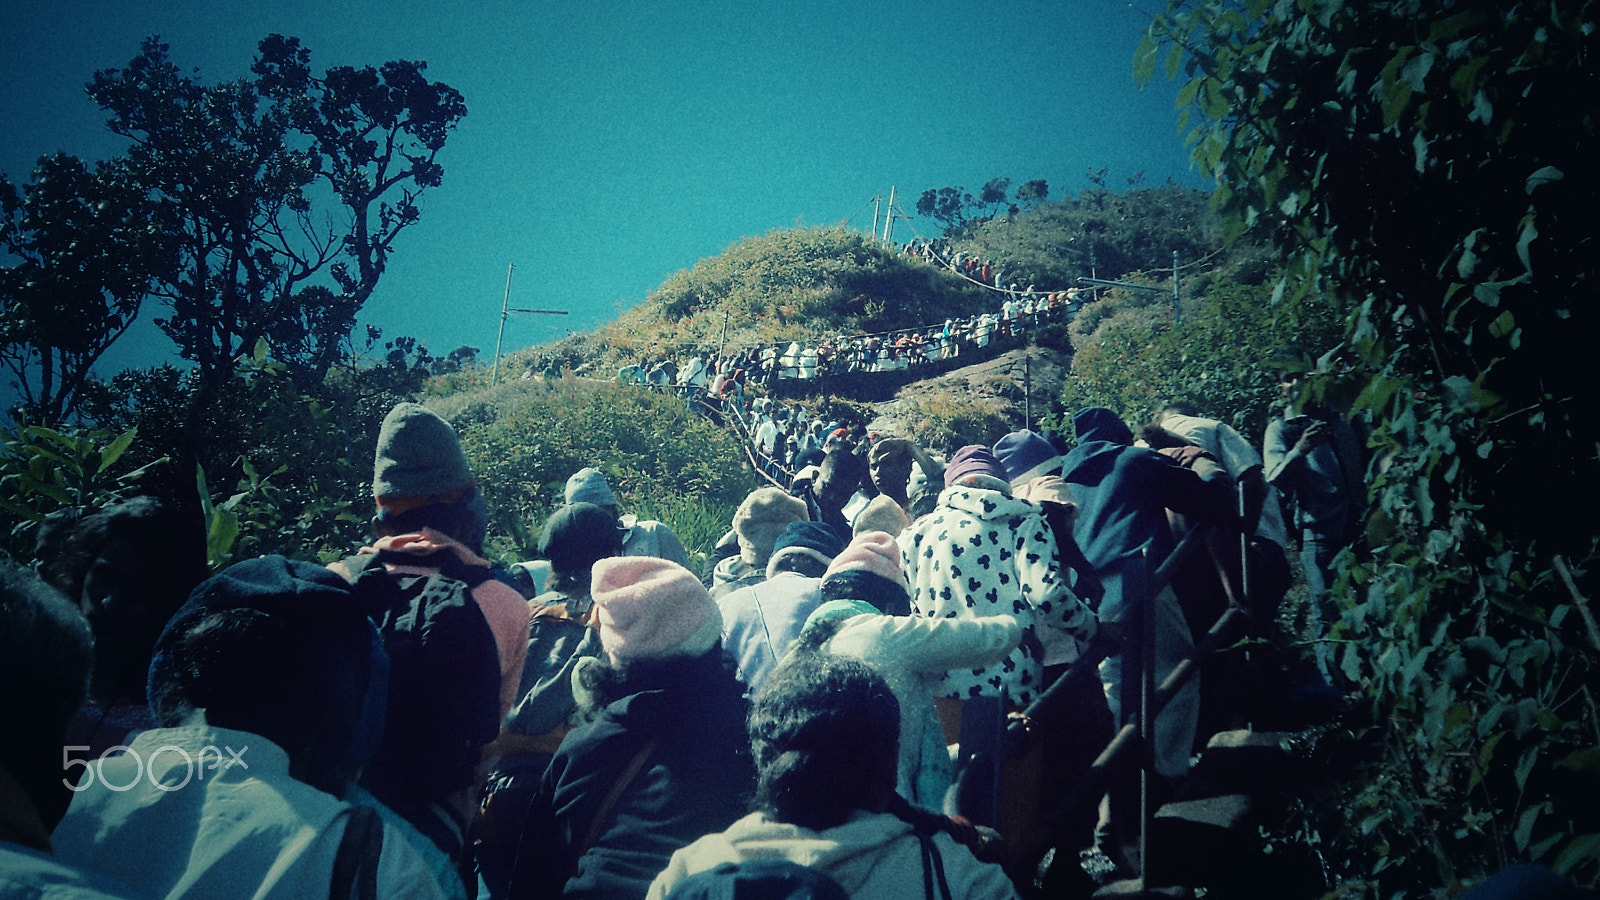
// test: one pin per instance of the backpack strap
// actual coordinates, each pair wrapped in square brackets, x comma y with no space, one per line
[355,866]
[598,823]
[932,868]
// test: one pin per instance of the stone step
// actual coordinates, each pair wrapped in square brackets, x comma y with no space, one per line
[1240,761]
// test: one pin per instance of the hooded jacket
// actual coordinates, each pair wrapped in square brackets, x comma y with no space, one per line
[873,856]
[981,553]
[1124,492]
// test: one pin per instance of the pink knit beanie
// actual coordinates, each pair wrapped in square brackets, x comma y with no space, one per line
[873,551]
[649,608]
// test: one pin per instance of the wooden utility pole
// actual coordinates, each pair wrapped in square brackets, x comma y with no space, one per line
[505,312]
[888,219]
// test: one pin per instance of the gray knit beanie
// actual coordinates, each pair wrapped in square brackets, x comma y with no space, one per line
[418,455]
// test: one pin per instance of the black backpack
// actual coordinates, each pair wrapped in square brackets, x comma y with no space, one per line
[444,674]
[759,879]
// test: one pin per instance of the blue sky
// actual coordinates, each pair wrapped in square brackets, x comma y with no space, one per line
[609,144]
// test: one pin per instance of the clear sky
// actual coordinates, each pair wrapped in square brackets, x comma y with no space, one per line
[610,143]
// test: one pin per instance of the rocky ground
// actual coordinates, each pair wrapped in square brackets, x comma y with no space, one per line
[1022,381]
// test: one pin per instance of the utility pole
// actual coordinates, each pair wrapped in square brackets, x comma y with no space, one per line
[888,219]
[1027,390]
[505,312]
[1177,292]
[876,204]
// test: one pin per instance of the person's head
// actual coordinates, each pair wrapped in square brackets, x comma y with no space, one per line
[889,463]
[588,485]
[869,569]
[420,479]
[761,519]
[575,537]
[825,734]
[1179,408]
[882,513]
[1158,438]
[45,657]
[1096,423]
[650,609]
[1027,455]
[128,568]
[805,548]
[840,477]
[976,466]
[281,649]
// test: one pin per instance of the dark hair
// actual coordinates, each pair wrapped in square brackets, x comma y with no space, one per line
[1159,438]
[45,658]
[130,566]
[298,680]
[465,520]
[825,731]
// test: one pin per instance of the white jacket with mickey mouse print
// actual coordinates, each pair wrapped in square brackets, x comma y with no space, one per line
[983,553]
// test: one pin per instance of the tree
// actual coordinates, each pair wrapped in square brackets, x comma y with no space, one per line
[253,165]
[1432,164]
[947,205]
[993,194]
[89,246]
[1032,193]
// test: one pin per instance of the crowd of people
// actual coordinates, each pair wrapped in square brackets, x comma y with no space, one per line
[719,375]
[814,702]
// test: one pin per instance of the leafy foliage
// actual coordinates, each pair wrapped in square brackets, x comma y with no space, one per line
[88,244]
[1130,356]
[254,167]
[1097,233]
[1430,164]
[524,438]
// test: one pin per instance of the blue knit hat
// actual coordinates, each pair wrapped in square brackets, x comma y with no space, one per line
[1026,455]
[588,485]
[818,540]
[1096,423]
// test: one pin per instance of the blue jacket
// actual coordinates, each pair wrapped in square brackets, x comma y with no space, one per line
[1123,495]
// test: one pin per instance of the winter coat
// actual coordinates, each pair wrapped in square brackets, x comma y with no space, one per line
[912,654]
[982,553]
[699,778]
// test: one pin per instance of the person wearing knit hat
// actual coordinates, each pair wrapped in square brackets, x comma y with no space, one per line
[1124,494]
[430,525]
[760,519]
[982,552]
[912,652]
[273,671]
[1026,455]
[640,537]
[574,538]
[759,621]
[881,514]
[666,744]
[428,504]
[975,465]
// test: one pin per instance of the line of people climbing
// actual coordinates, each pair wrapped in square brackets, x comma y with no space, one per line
[810,701]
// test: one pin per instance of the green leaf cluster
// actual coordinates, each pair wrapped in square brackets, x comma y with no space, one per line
[1431,164]
[524,439]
